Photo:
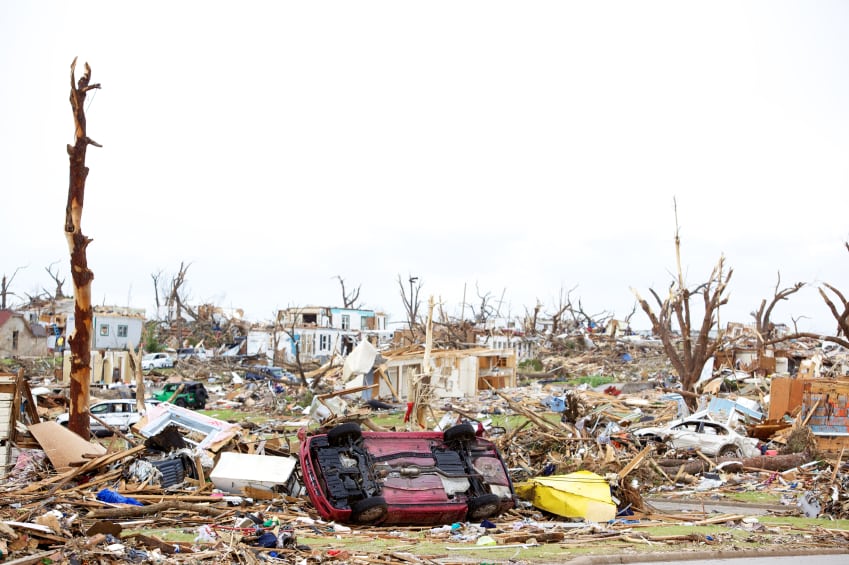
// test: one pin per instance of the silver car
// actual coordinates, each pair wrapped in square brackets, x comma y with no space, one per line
[156,361]
[711,438]
[119,413]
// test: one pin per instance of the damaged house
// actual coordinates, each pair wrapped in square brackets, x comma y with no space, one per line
[454,373]
[53,314]
[321,332]
[510,339]
[19,337]
[115,330]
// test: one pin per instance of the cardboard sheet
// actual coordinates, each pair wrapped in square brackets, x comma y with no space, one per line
[62,446]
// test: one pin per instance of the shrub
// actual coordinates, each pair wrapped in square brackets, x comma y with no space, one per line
[531,365]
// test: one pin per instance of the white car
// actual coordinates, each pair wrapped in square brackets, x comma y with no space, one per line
[711,438]
[156,361]
[119,413]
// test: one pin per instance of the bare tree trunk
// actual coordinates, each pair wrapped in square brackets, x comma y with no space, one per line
[80,339]
[763,324]
[156,276]
[839,308]
[411,303]
[59,294]
[349,300]
[689,357]
[4,288]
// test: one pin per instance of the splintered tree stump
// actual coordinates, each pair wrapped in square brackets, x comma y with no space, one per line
[80,339]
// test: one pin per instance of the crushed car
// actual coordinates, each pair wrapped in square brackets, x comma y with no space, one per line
[263,372]
[712,438]
[404,478]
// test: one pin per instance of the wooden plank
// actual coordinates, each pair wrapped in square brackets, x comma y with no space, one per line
[634,462]
[23,387]
[836,466]
[34,558]
[382,375]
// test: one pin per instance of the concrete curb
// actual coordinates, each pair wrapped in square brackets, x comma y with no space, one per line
[675,556]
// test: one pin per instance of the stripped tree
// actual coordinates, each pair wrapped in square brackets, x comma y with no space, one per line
[178,301]
[839,308]
[411,304]
[59,294]
[4,288]
[688,353]
[80,338]
[349,299]
[561,308]
[763,323]
[529,322]
[838,305]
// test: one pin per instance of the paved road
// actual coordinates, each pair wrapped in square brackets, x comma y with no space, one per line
[823,557]
[790,560]
[724,507]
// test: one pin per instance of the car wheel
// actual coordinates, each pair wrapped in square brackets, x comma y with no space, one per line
[369,510]
[180,402]
[657,443]
[344,434]
[460,432]
[483,507]
[730,451]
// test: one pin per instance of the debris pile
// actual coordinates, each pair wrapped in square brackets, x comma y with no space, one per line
[180,485]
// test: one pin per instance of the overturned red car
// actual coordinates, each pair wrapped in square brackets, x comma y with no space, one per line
[409,478]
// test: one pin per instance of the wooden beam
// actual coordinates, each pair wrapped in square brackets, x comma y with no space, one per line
[634,462]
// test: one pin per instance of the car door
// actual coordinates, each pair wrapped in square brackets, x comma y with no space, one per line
[686,436]
[714,437]
[118,416]
[102,410]
[128,415]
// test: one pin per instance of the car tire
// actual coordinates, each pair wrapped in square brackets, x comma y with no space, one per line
[180,402]
[369,510]
[460,432]
[730,451]
[483,507]
[344,434]
[656,442]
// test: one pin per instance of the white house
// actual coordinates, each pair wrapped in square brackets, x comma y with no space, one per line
[114,331]
[321,332]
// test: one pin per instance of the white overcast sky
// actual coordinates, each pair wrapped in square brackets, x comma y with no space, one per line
[511,148]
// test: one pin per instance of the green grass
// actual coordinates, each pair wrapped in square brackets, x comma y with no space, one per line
[421,543]
[236,415]
[531,365]
[804,523]
[167,534]
[592,380]
[755,496]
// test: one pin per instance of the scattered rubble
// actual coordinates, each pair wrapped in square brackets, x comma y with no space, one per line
[234,489]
